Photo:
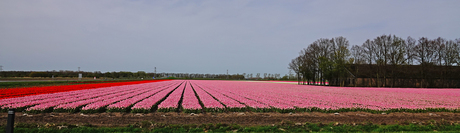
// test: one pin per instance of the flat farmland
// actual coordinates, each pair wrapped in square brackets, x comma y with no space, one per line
[241,102]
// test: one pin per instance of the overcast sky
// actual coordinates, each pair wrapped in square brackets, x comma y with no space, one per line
[243,36]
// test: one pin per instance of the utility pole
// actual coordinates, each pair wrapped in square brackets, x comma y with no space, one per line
[79,74]
[227,73]
[155,72]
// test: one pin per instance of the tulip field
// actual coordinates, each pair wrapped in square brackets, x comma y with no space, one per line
[197,96]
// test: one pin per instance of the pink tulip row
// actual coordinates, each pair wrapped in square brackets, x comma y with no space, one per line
[73,102]
[302,96]
[208,101]
[74,99]
[26,101]
[92,105]
[190,101]
[92,97]
[172,101]
[57,98]
[148,103]
[227,101]
[220,95]
[105,102]
[228,91]
[239,97]
[124,104]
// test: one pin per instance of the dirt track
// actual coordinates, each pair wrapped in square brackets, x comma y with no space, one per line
[246,118]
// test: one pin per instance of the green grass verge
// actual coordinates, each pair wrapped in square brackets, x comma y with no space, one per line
[314,109]
[221,110]
[147,126]
[5,85]
[16,84]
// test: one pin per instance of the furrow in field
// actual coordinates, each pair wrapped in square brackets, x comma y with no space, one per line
[208,100]
[214,101]
[81,100]
[64,98]
[99,106]
[87,97]
[171,103]
[148,104]
[32,98]
[190,102]
[235,95]
[125,105]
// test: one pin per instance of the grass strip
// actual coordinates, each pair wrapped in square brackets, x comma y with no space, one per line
[284,126]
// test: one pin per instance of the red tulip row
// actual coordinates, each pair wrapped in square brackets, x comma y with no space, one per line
[21,92]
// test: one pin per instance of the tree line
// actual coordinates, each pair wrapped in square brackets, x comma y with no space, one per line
[139,74]
[73,74]
[333,60]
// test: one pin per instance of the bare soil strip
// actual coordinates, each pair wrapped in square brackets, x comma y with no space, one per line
[242,118]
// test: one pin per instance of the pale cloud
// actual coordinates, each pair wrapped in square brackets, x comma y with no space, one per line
[200,36]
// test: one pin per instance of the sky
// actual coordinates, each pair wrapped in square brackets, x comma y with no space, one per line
[209,37]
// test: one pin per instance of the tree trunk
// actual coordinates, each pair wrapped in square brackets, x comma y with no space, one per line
[378,85]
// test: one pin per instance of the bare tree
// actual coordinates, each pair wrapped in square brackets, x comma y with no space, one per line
[369,50]
[312,55]
[439,48]
[425,54]
[396,56]
[295,65]
[451,54]
[340,56]
[457,62]
[358,57]
[425,51]
[357,53]
[325,48]
[410,50]
[328,58]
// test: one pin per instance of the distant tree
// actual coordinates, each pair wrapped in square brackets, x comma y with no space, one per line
[324,49]
[285,77]
[425,51]
[410,50]
[141,74]
[439,45]
[396,56]
[452,53]
[340,58]
[38,74]
[295,65]
[457,50]
[357,54]
[425,54]
[331,59]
